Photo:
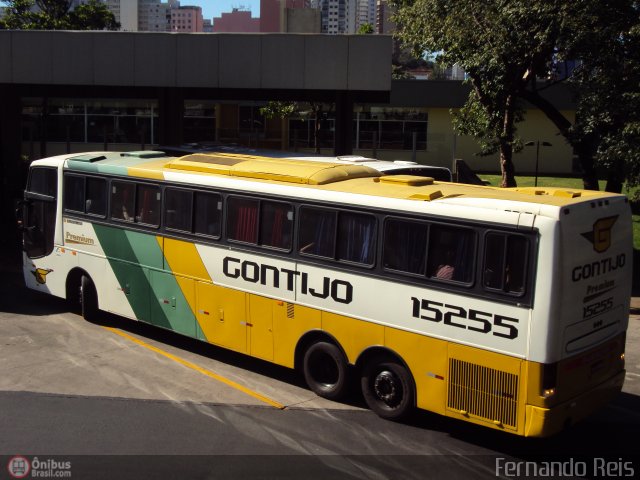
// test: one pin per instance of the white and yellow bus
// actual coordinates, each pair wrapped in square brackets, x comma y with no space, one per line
[503,307]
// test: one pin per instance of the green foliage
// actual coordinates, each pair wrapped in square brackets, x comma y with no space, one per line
[498,43]
[55,15]
[365,29]
[93,15]
[275,109]
[608,80]
[507,46]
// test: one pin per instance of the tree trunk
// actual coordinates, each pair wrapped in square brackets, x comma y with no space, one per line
[506,145]
[585,158]
[615,178]
[506,166]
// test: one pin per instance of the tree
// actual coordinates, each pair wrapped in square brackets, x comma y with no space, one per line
[284,110]
[497,43]
[604,36]
[508,46]
[365,29]
[93,15]
[56,15]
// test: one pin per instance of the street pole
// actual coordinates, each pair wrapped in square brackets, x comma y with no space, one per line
[537,158]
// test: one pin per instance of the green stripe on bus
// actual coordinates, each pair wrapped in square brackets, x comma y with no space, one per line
[154,295]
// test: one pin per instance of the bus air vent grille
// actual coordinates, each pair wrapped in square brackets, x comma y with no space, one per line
[483,392]
[290,310]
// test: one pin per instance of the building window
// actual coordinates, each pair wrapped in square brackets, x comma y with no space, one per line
[199,121]
[89,121]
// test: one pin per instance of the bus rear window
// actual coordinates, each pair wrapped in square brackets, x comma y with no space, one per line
[505,263]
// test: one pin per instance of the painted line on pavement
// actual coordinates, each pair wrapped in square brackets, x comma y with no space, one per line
[201,370]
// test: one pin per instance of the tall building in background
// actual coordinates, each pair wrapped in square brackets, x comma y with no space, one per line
[338,16]
[366,14]
[299,16]
[186,19]
[126,13]
[156,15]
[237,20]
[383,18]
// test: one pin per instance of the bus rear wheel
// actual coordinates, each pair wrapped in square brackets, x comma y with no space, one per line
[326,371]
[88,299]
[387,388]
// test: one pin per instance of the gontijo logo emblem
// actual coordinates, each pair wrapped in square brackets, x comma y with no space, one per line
[600,236]
[18,467]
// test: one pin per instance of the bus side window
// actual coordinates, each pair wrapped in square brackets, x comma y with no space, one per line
[317,235]
[208,214]
[276,224]
[356,237]
[178,209]
[505,263]
[122,201]
[451,253]
[96,196]
[148,205]
[242,220]
[405,246]
[74,193]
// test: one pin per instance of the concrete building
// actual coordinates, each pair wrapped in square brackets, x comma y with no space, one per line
[82,91]
[186,19]
[156,16]
[338,16]
[126,13]
[366,13]
[236,21]
[277,16]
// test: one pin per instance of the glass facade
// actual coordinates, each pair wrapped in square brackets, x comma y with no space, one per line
[383,128]
[89,120]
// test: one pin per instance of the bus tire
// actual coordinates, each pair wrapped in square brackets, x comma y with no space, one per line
[326,370]
[88,299]
[388,389]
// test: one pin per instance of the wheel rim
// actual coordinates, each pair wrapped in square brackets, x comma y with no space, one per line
[388,388]
[323,369]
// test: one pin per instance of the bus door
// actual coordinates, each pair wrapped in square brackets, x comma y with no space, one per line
[39,212]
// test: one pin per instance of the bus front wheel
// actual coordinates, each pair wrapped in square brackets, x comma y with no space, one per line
[326,370]
[88,299]
[387,388]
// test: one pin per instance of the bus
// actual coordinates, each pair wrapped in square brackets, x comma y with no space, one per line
[507,308]
[387,167]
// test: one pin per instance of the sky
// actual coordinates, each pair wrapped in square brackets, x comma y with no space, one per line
[213,8]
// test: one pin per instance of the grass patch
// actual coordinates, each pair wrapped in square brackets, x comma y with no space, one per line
[569,182]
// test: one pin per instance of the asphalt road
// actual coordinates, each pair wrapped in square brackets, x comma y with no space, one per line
[118,399]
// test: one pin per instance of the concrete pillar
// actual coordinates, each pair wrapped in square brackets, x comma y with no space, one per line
[170,116]
[344,123]
[12,169]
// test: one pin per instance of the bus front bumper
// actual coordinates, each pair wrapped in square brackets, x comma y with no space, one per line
[543,422]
